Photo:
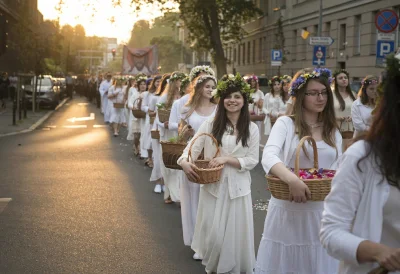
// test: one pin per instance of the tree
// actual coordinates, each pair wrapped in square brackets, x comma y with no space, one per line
[169,52]
[280,41]
[213,23]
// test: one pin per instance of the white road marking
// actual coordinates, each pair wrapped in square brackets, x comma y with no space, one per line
[100,126]
[75,126]
[3,203]
[83,104]
[74,119]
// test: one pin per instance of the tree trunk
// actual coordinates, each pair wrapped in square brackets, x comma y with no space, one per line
[210,18]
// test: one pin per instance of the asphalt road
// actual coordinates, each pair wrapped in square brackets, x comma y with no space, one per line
[81,203]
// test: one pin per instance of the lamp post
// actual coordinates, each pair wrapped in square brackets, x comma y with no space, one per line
[179,28]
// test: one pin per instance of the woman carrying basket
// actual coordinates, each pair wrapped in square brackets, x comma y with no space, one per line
[116,94]
[224,233]
[361,225]
[290,241]
[200,107]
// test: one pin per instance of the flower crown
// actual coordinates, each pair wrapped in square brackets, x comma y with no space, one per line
[120,78]
[367,82]
[203,78]
[198,69]
[286,78]
[140,78]
[274,79]
[184,83]
[304,77]
[177,76]
[339,71]
[251,77]
[232,81]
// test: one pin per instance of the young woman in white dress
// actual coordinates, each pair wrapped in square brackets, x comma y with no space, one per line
[200,107]
[272,103]
[363,106]
[256,107]
[144,135]
[116,94]
[156,175]
[361,225]
[224,232]
[152,87]
[135,128]
[172,177]
[286,79]
[290,241]
[343,100]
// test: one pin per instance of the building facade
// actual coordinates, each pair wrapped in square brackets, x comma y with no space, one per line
[349,23]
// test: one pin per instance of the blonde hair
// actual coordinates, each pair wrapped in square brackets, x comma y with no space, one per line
[195,95]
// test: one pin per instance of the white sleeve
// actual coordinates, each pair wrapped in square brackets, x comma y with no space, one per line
[265,104]
[356,117]
[274,146]
[340,210]
[145,103]
[173,122]
[251,159]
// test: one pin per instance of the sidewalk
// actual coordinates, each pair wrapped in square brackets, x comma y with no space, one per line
[31,121]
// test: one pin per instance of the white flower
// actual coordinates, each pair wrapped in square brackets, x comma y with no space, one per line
[214,92]
[231,77]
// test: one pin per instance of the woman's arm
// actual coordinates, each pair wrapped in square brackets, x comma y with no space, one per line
[266,109]
[358,122]
[173,122]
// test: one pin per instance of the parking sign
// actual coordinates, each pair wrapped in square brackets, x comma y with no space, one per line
[383,48]
[276,57]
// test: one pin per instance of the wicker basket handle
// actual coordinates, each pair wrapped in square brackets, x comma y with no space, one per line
[348,126]
[139,104]
[298,149]
[194,140]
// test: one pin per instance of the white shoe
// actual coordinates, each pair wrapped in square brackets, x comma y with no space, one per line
[196,257]
[157,189]
[163,188]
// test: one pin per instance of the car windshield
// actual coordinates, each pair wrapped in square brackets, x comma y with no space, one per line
[44,82]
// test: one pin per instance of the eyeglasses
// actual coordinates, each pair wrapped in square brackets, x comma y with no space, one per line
[315,94]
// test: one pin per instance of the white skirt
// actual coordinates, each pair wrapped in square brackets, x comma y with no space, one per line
[144,138]
[117,115]
[156,171]
[224,233]
[189,203]
[290,241]
[133,127]
[107,113]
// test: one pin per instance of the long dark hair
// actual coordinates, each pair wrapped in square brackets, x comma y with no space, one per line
[163,84]
[327,116]
[221,121]
[339,97]
[152,87]
[384,134]
[368,80]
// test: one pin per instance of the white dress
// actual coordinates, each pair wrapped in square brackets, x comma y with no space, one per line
[134,123]
[117,115]
[144,135]
[147,126]
[103,88]
[190,191]
[224,232]
[290,242]
[172,177]
[272,105]
[361,116]
[257,96]
[343,113]
[156,171]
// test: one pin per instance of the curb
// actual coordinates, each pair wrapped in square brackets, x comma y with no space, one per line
[39,122]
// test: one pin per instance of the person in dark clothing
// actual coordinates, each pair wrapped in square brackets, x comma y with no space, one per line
[4,84]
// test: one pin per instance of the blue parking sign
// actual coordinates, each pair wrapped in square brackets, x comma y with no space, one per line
[383,48]
[276,57]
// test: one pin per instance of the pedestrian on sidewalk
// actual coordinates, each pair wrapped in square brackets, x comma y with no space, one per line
[224,232]
[361,225]
[290,241]
[13,86]
[69,82]
[4,84]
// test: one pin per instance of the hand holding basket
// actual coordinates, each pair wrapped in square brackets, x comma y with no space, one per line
[137,112]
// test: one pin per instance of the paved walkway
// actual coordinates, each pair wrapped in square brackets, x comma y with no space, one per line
[25,124]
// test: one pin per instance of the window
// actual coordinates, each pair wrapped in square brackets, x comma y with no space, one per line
[234,55]
[244,53]
[254,51]
[357,35]
[248,52]
[239,55]
[342,36]
[303,49]
[260,50]
[294,45]
[264,57]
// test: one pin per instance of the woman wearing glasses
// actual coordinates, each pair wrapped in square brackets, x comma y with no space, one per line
[290,242]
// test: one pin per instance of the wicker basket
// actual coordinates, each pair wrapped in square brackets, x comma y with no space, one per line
[137,112]
[346,134]
[118,105]
[171,153]
[319,188]
[206,174]
[163,115]
[152,119]
[155,134]
[256,118]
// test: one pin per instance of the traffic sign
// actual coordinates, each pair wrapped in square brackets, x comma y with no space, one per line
[386,21]
[383,48]
[276,57]
[319,55]
[321,41]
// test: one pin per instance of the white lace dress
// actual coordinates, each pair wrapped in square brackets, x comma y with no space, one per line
[117,115]
[190,191]
[134,123]
[155,144]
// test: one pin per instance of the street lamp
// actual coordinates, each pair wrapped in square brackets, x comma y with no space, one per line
[179,27]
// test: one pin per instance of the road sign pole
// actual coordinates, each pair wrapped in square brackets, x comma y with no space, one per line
[320,22]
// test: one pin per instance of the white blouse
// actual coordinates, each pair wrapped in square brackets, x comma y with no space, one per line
[354,208]
[343,113]
[239,180]
[120,92]
[257,96]
[176,115]
[361,116]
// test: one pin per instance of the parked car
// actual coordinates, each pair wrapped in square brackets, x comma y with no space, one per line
[63,86]
[355,86]
[47,93]
[263,83]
